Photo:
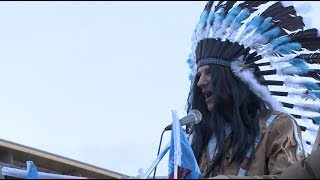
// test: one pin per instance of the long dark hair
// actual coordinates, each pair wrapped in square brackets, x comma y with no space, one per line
[234,104]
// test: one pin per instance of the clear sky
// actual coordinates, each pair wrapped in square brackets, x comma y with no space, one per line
[95,81]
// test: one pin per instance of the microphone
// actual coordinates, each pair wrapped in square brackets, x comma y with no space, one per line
[194,117]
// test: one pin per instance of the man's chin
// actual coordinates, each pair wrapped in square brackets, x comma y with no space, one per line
[210,107]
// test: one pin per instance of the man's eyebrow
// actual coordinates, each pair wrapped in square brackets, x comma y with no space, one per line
[207,70]
[204,70]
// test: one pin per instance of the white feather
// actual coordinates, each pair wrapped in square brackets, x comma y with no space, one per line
[258,43]
[249,40]
[201,32]
[285,58]
[233,27]
[247,32]
[237,3]
[233,35]
[288,70]
[307,122]
[298,79]
[206,31]
[216,24]
[265,50]
[261,91]
[294,82]
[308,107]
[303,94]
[219,33]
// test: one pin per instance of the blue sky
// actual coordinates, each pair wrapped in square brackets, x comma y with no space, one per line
[95,81]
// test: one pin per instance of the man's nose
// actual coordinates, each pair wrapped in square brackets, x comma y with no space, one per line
[203,80]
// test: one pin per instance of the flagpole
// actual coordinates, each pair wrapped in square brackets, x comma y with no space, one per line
[177,148]
[175,171]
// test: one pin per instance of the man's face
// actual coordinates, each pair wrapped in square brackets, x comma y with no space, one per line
[205,84]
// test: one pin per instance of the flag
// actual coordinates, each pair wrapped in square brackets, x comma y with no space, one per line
[182,162]
[32,172]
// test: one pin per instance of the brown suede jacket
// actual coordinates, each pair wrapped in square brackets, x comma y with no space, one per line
[308,168]
[276,151]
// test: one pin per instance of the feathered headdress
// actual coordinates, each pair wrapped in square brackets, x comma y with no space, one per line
[268,46]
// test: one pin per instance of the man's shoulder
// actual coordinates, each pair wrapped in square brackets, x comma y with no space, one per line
[272,118]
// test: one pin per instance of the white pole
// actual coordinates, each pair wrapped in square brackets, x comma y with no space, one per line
[20,173]
[175,171]
[177,147]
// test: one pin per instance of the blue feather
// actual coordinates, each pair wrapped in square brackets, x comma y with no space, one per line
[280,40]
[264,25]
[316,120]
[232,14]
[211,16]
[189,61]
[203,18]
[220,16]
[190,77]
[300,63]
[311,85]
[271,34]
[244,14]
[191,64]
[256,21]
[314,93]
[288,48]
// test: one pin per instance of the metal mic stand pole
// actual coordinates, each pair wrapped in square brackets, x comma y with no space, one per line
[154,164]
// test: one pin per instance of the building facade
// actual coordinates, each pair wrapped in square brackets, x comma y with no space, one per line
[15,156]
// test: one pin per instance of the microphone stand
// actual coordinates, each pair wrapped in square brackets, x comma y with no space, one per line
[154,164]
[156,161]
[155,169]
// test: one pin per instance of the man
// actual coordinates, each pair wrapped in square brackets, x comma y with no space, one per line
[235,121]
[245,131]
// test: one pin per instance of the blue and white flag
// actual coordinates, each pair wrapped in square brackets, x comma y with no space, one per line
[182,162]
[32,172]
